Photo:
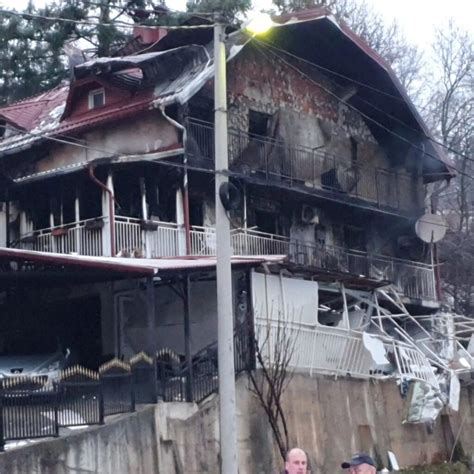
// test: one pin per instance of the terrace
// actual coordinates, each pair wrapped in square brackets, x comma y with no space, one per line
[264,159]
[166,239]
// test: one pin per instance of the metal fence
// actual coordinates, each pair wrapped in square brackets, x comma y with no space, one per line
[35,407]
[82,237]
[28,409]
[180,381]
[337,351]
[80,400]
[276,160]
[118,392]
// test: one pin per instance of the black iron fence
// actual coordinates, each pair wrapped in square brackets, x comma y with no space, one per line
[274,160]
[80,400]
[28,409]
[37,407]
[180,381]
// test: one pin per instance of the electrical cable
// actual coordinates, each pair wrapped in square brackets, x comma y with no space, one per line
[367,117]
[187,166]
[33,16]
[354,81]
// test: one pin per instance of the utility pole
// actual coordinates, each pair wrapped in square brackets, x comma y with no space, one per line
[225,317]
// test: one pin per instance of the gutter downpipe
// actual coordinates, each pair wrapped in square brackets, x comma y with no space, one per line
[94,178]
[7,216]
[187,224]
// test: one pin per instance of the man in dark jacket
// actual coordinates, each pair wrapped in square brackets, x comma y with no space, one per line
[360,463]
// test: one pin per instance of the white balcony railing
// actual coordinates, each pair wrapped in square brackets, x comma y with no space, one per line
[336,351]
[82,238]
[152,239]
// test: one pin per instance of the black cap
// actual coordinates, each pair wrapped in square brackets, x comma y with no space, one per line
[357,460]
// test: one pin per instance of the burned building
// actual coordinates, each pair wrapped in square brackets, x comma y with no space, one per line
[108,202]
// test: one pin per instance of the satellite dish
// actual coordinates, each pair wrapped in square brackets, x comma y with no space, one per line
[431,228]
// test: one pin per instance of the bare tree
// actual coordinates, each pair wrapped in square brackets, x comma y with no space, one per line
[274,348]
[450,112]
[386,38]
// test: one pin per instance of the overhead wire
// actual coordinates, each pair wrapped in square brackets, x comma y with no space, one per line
[33,16]
[367,117]
[162,161]
[367,86]
[263,45]
[271,46]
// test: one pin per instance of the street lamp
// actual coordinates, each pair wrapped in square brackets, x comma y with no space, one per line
[225,319]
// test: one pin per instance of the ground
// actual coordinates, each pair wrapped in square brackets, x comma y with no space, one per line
[457,468]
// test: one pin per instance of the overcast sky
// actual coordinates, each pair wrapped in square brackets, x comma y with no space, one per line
[418,18]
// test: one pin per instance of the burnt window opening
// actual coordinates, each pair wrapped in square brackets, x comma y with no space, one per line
[354,150]
[152,191]
[67,199]
[128,195]
[96,98]
[202,109]
[355,238]
[266,221]
[330,311]
[196,211]
[258,123]
[320,234]
[90,200]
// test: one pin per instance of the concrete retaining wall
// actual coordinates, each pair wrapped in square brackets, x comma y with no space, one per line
[126,444]
[328,418]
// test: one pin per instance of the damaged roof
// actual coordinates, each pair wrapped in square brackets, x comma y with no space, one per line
[176,73]
[165,78]
[32,265]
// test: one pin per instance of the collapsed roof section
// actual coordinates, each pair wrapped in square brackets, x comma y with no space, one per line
[176,69]
[144,82]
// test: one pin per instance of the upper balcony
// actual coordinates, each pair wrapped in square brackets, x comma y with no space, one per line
[325,175]
[137,238]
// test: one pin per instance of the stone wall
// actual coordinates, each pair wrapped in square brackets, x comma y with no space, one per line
[124,445]
[328,418]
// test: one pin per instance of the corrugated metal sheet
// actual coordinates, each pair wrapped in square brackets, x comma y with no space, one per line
[138,266]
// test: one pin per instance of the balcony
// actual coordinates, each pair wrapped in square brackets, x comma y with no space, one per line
[337,351]
[329,176]
[166,239]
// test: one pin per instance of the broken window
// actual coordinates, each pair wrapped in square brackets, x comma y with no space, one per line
[330,310]
[258,123]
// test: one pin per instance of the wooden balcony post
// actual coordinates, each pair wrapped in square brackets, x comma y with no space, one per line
[107,234]
[77,218]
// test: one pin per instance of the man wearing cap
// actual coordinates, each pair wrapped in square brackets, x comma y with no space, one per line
[360,464]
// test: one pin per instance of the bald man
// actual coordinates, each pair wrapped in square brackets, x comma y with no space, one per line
[296,462]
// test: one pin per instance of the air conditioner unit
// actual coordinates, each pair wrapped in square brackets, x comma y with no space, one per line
[309,214]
